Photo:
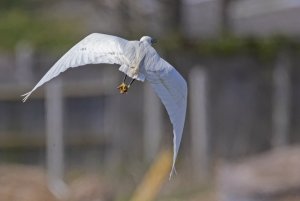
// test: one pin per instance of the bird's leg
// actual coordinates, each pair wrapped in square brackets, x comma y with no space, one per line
[131,82]
[124,78]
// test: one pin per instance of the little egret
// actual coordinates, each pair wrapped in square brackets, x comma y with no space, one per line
[139,61]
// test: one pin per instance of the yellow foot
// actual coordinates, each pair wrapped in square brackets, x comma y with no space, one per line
[123,88]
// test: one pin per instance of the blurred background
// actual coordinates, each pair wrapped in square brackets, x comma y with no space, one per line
[78,139]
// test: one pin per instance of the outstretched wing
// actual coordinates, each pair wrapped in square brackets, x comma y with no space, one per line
[171,88]
[95,48]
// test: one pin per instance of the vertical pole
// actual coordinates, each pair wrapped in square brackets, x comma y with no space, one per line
[199,133]
[281,100]
[112,129]
[54,132]
[152,123]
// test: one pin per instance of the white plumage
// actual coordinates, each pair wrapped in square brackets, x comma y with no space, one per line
[138,60]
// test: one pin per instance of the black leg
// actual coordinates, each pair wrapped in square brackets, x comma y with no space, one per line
[131,82]
[124,78]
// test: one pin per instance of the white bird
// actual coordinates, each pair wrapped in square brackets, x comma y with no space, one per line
[138,60]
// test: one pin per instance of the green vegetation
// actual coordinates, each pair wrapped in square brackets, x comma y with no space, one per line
[24,20]
[228,45]
[18,25]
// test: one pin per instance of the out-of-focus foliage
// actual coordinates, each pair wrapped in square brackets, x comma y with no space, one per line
[23,4]
[264,48]
[22,20]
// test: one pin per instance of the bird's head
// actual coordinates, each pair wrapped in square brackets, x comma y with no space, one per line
[148,39]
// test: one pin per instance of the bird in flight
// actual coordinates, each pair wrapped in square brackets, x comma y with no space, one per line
[139,61]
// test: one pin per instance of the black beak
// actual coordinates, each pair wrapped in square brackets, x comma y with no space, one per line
[153,40]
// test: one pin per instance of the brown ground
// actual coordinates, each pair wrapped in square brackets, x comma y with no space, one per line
[274,175]
[29,183]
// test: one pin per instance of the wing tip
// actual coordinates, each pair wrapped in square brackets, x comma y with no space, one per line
[172,173]
[25,96]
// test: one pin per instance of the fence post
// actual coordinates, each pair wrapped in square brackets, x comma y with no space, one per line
[199,132]
[281,100]
[113,131]
[54,132]
[152,123]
